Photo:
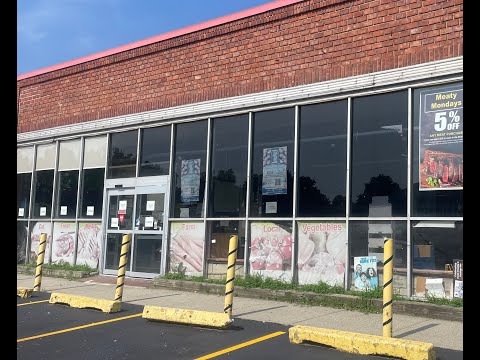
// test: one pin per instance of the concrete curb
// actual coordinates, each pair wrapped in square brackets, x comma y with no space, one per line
[405,307]
[363,343]
[189,317]
[24,292]
[67,274]
[82,302]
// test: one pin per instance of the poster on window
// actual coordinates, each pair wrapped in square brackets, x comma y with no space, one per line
[274,179]
[321,252]
[186,247]
[271,250]
[37,229]
[89,242]
[441,140]
[458,278]
[63,245]
[22,235]
[365,275]
[190,180]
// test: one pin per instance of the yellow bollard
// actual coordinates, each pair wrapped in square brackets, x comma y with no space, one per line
[40,257]
[232,258]
[387,287]
[121,267]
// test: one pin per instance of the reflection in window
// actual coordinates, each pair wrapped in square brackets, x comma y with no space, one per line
[379,155]
[42,206]
[219,240]
[322,159]
[435,245]
[23,194]
[229,166]
[366,239]
[66,206]
[92,193]
[147,253]
[272,165]
[155,151]
[122,156]
[436,202]
[190,167]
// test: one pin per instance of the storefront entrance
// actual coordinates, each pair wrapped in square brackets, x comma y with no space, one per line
[139,210]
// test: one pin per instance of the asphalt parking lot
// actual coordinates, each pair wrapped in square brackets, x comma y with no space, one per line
[54,331]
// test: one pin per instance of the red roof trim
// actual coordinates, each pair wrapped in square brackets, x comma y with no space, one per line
[171,34]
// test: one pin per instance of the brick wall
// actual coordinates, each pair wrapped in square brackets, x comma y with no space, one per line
[303,43]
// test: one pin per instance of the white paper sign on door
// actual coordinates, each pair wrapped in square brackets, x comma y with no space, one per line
[149,221]
[122,205]
[63,210]
[90,210]
[43,211]
[114,222]
[21,211]
[151,205]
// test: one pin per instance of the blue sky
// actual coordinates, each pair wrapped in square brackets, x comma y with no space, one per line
[50,32]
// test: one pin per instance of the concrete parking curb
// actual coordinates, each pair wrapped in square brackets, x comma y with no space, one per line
[83,302]
[24,292]
[186,316]
[364,344]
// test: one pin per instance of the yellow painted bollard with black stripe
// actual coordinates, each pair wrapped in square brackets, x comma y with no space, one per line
[387,287]
[122,267]
[41,256]
[232,258]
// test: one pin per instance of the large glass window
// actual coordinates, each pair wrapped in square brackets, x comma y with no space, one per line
[69,155]
[23,194]
[436,246]
[155,151]
[272,166]
[366,239]
[441,160]
[92,193]
[66,202]
[323,159]
[228,184]
[42,205]
[22,238]
[379,155]
[190,168]
[122,156]
[95,150]
[24,159]
[46,155]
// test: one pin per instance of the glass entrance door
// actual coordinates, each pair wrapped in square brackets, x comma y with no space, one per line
[139,212]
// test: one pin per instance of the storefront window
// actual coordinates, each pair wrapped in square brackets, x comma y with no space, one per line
[122,156]
[379,155]
[437,245]
[63,245]
[190,168]
[322,159]
[69,155]
[37,228]
[155,151]
[89,244]
[66,202]
[228,183]
[24,159]
[23,194]
[42,206]
[437,165]
[219,239]
[272,167]
[22,238]
[92,193]
[366,240]
[187,241]
[95,150]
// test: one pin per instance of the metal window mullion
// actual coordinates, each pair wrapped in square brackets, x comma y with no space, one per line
[31,203]
[103,247]
[79,188]
[134,225]
[137,165]
[54,198]
[409,191]
[206,194]
[347,194]
[171,202]
[246,268]
[295,199]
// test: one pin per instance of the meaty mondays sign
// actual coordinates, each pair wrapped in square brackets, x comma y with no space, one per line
[441,139]
[321,252]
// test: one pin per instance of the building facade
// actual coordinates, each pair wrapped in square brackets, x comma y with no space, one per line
[311,129]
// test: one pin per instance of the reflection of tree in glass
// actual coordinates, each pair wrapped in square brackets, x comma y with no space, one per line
[380,185]
[228,176]
[119,158]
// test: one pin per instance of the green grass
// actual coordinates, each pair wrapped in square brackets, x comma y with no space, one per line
[63,265]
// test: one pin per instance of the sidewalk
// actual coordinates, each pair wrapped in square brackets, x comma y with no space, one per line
[441,333]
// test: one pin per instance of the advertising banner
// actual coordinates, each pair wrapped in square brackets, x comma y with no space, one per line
[63,245]
[190,180]
[89,243]
[36,230]
[186,247]
[274,180]
[271,250]
[441,140]
[365,273]
[321,252]
[458,278]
